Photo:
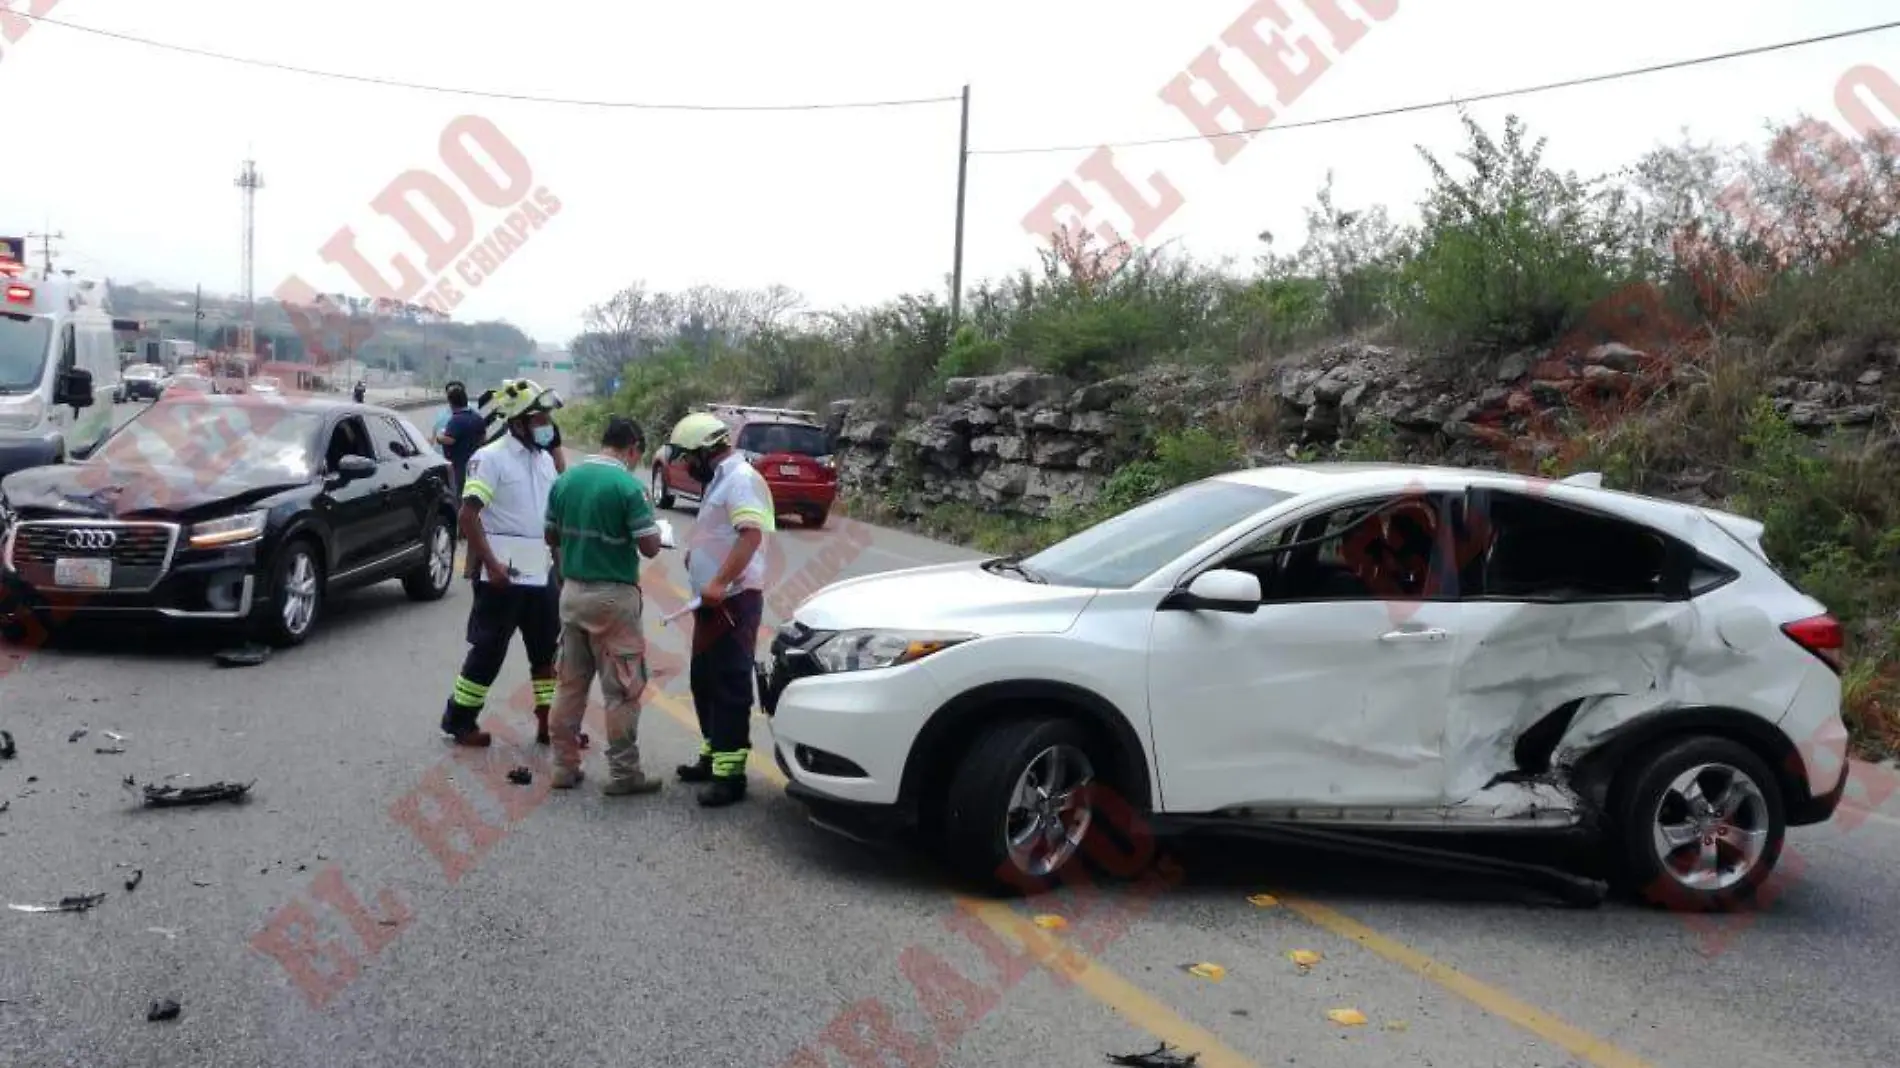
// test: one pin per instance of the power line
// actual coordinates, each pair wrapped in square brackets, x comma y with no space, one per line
[482,93]
[1436,105]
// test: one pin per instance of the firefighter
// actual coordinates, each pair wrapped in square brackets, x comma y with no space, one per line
[503,522]
[726,567]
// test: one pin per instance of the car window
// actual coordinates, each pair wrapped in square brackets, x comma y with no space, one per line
[767,438]
[23,344]
[392,441]
[1388,548]
[1119,552]
[349,438]
[1540,550]
[423,442]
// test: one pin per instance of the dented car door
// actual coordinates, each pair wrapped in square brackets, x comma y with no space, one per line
[1332,694]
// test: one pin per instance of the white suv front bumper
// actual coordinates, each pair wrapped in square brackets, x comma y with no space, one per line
[868,718]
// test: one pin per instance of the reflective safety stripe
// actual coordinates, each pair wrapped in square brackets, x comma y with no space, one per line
[729,765]
[479,490]
[705,749]
[469,694]
[544,691]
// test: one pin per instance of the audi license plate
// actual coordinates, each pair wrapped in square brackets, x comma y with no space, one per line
[83,573]
[788,469]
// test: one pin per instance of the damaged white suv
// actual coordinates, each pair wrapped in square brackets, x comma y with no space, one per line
[1341,646]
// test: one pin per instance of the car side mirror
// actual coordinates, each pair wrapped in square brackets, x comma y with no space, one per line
[352,467]
[1220,590]
[74,388]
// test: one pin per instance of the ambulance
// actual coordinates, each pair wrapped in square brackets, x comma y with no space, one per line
[59,367]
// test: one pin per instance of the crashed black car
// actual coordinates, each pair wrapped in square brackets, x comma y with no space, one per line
[238,510]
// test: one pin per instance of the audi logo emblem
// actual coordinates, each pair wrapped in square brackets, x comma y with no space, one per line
[91,539]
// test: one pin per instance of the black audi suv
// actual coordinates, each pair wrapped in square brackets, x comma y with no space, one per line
[227,509]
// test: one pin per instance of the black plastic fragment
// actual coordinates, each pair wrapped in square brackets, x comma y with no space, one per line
[1162,1056]
[163,1010]
[110,750]
[133,883]
[243,656]
[521,776]
[7,749]
[174,796]
[76,735]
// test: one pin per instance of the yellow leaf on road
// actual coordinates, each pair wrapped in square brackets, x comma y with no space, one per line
[1347,1017]
[1265,901]
[1305,958]
[1213,972]
[1049,921]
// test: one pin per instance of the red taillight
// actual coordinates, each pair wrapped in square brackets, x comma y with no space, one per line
[1820,635]
[18,294]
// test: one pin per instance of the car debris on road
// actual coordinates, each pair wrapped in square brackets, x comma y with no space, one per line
[1162,1056]
[163,1010]
[179,796]
[74,903]
[132,883]
[7,749]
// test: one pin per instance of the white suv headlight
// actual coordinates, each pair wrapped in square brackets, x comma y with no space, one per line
[230,530]
[859,650]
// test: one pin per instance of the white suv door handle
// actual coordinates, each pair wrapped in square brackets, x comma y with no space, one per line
[1431,634]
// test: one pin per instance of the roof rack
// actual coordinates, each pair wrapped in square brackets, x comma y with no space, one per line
[747,409]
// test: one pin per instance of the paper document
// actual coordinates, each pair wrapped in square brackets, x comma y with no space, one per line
[528,559]
[666,533]
[686,609]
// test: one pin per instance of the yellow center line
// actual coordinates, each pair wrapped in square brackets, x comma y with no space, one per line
[1145,1012]
[1574,1040]
[1105,986]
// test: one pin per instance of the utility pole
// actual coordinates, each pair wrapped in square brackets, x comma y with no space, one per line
[963,175]
[46,247]
[250,182]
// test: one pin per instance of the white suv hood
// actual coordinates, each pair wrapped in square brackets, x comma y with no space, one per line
[959,596]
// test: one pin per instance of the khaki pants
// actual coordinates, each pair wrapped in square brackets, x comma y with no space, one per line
[600,635]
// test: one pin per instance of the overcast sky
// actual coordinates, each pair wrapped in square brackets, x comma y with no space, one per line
[131,150]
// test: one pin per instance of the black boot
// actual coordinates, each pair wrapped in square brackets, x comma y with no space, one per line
[702,771]
[723,791]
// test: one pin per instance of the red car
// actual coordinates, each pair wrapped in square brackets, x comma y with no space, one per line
[788,447]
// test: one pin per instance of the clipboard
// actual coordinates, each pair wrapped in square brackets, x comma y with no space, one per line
[528,559]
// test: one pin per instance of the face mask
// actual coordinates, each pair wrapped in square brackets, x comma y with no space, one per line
[544,436]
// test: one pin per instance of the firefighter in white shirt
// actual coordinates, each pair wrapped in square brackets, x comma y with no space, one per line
[504,518]
[725,563]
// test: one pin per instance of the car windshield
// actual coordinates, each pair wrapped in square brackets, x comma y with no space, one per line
[767,438]
[1117,553]
[24,341]
[141,370]
[254,440]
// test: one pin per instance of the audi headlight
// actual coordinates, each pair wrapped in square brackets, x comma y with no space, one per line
[231,530]
[859,650]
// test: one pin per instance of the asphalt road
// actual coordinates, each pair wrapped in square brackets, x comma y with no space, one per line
[315,925]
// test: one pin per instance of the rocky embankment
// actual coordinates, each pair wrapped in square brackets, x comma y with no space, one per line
[1025,442]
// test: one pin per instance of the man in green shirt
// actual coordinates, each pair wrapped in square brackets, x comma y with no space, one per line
[597,515]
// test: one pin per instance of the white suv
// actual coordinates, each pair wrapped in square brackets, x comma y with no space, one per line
[1340,646]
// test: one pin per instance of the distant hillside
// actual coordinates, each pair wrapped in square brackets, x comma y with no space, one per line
[472,351]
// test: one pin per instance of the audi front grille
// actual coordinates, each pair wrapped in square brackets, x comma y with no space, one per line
[141,553]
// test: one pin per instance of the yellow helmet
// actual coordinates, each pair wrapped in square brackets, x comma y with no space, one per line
[516,398]
[699,430]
